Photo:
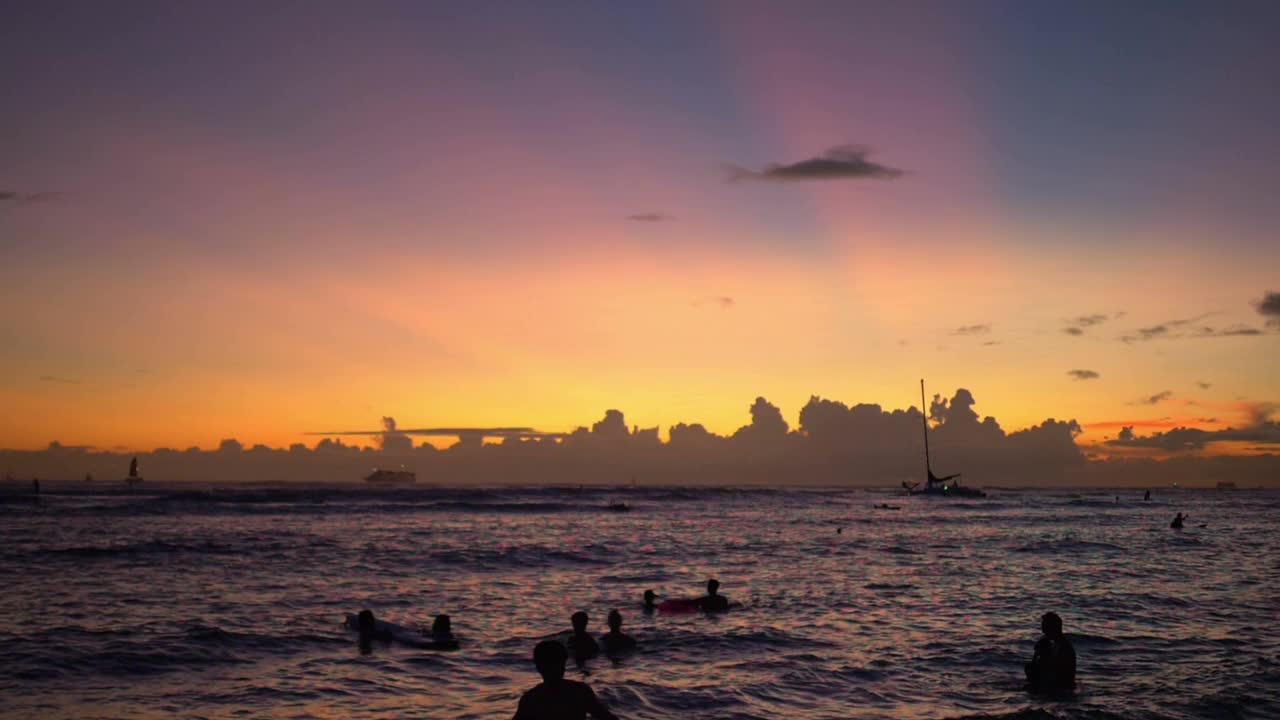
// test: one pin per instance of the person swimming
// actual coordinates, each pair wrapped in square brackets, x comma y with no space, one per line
[615,640]
[1177,521]
[1053,664]
[556,698]
[580,644]
[650,602]
[713,601]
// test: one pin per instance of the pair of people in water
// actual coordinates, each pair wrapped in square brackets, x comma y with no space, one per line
[713,601]
[582,646]
[370,629]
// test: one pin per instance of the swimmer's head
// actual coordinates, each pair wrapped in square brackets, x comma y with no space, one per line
[1051,624]
[649,598]
[442,625]
[365,622]
[549,657]
[712,586]
[615,620]
[579,621]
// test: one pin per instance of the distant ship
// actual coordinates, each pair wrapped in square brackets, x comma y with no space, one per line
[1226,485]
[948,486]
[134,478]
[391,477]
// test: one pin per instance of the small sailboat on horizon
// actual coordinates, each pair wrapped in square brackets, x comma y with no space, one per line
[946,486]
[134,478]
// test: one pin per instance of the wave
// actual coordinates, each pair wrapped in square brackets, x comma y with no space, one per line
[1066,545]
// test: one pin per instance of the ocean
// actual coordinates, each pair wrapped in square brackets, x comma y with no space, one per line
[179,601]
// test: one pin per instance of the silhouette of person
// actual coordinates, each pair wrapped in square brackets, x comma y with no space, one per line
[442,633]
[1177,521]
[580,643]
[615,640]
[1147,495]
[35,486]
[713,601]
[1053,665]
[650,602]
[556,698]
[367,627]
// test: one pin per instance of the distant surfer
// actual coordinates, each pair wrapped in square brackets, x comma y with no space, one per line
[367,627]
[556,698]
[1053,665]
[580,644]
[1147,496]
[35,486]
[650,602]
[1177,521]
[615,640]
[713,601]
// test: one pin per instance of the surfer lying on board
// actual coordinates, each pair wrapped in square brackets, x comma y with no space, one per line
[370,629]
[1053,665]
[712,602]
[556,698]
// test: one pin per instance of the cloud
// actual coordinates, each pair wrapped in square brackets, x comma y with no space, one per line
[1083,374]
[1204,385]
[1076,326]
[1187,439]
[989,343]
[1154,399]
[724,302]
[1187,328]
[980,329]
[844,162]
[1269,307]
[28,198]
[649,217]
[59,380]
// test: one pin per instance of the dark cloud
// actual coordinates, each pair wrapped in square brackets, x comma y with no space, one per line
[1269,307]
[989,343]
[1076,326]
[649,217]
[1083,374]
[28,198]
[980,329]
[1071,330]
[1185,439]
[845,162]
[1188,328]
[1204,385]
[60,380]
[1154,399]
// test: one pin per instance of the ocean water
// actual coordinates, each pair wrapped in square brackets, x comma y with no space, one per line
[176,602]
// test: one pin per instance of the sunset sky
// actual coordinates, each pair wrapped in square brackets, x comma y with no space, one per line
[253,220]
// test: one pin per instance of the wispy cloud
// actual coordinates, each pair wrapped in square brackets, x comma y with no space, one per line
[979,329]
[59,380]
[844,162]
[15,197]
[1083,374]
[649,217]
[724,302]
[1188,328]
[1204,385]
[1077,325]
[1154,399]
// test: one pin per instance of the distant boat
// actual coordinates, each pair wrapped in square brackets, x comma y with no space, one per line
[619,507]
[391,477]
[134,478]
[1226,485]
[947,486]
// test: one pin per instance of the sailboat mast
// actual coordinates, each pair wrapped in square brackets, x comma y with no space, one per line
[924,420]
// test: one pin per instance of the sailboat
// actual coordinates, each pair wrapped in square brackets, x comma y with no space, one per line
[946,486]
[134,478]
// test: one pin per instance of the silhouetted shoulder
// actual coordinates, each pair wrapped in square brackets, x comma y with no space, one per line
[562,700]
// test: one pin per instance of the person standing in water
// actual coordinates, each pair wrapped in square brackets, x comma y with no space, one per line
[1147,496]
[580,644]
[615,640]
[1053,665]
[1177,521]
[713,601]
[650,602]
[556,698]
